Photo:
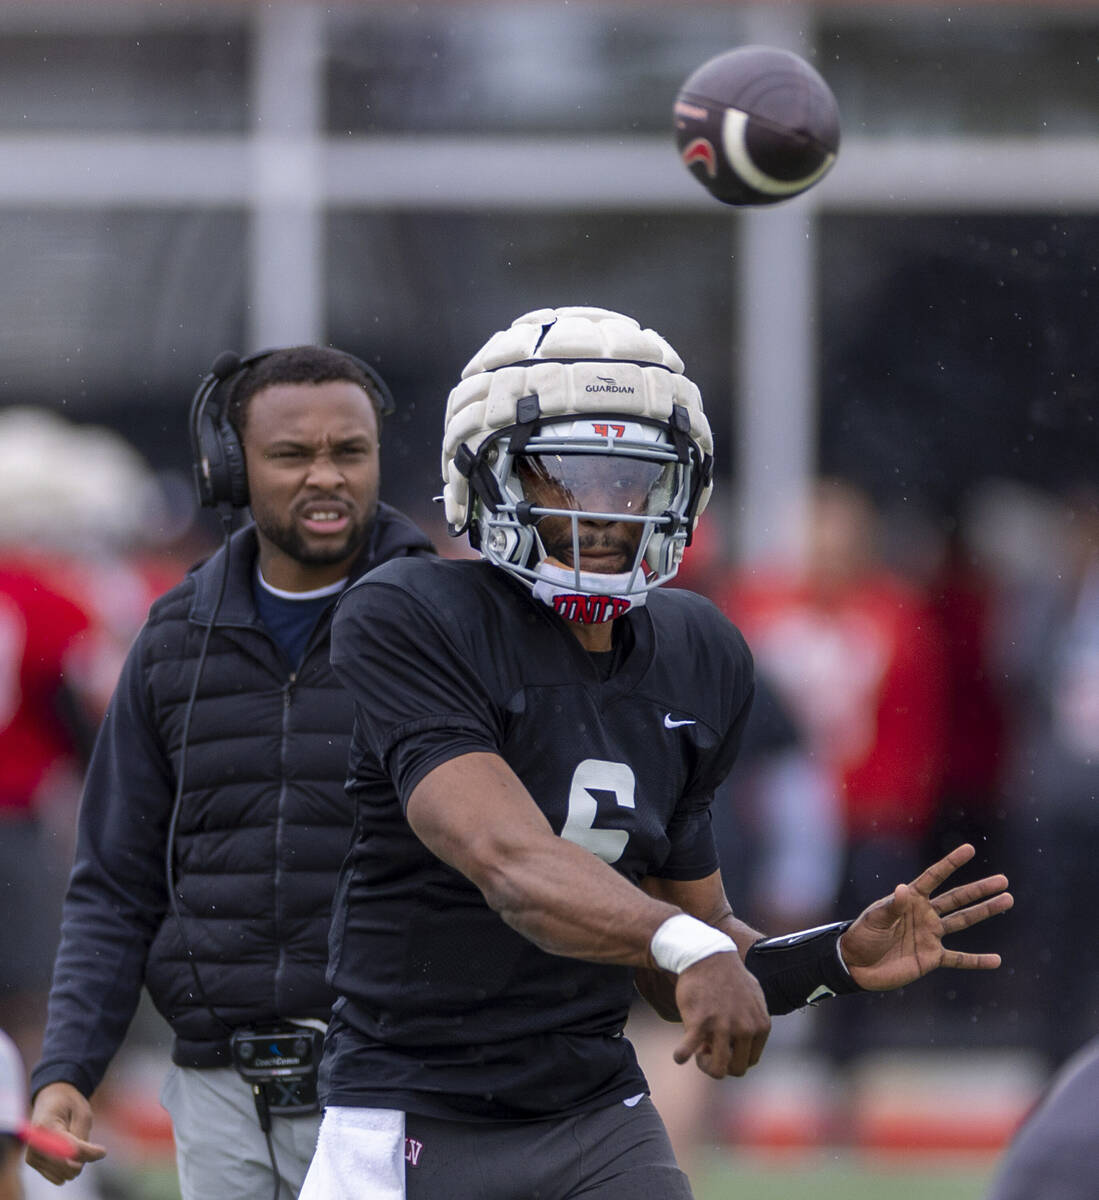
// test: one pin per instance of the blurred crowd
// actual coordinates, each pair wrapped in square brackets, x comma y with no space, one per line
[931,682]
[920,683]
[89,536]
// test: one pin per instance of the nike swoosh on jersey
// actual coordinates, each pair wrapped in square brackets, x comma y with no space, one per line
[670,724]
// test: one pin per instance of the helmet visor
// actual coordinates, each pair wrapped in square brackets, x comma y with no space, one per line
[612,486]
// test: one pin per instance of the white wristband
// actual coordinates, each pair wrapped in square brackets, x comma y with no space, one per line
[682,941]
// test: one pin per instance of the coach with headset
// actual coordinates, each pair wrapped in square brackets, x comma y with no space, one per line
[214,820]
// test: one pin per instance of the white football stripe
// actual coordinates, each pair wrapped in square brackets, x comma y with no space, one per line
[734,141]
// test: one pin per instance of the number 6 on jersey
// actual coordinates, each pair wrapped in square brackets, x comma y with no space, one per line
[595,777]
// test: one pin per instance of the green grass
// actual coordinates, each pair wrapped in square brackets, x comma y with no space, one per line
[836,1176]
[832,1176]
[152,1182]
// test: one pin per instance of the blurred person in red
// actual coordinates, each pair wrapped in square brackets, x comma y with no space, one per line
[43,729]
[84,503]
[965,601]
[940,556]
[965,596]
[857,656]
[75,501]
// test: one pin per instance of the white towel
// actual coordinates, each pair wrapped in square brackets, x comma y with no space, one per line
[359,1156]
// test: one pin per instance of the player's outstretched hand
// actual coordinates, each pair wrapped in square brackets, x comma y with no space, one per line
[60,1107]
[724,1014]
[900,938]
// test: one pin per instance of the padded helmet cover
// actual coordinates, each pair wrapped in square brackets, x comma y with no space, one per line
[578,361]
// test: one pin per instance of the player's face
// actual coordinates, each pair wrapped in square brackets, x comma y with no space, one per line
[311,452]
[593,483]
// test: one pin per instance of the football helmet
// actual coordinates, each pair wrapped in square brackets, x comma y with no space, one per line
[568,422]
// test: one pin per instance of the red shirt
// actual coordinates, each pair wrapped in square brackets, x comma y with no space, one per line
[39,630]
[862,668]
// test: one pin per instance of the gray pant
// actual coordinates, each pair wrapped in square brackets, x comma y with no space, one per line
[1055,1155]
[221,1152]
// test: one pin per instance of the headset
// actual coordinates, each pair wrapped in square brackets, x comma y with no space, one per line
[220,475]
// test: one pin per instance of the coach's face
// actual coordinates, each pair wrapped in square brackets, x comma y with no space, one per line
[311,454]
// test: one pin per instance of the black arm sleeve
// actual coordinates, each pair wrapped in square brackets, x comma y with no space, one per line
[801,968]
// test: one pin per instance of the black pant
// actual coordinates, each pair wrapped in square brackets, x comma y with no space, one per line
[616,1153]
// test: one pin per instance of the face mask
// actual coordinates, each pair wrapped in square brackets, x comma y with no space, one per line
[603,599]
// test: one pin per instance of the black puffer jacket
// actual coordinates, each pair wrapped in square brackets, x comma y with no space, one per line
[262,829]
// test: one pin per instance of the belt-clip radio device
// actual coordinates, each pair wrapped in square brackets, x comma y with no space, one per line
[280,1063]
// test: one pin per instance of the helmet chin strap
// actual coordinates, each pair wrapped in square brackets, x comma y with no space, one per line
[599,598]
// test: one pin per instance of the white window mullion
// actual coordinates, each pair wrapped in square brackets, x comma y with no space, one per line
[286,285]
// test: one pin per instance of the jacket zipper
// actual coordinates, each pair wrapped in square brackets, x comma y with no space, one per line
[288,696]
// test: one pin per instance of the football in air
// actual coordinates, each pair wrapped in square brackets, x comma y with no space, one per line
[757,125]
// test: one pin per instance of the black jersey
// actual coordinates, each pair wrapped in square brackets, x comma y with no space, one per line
[444,1009]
